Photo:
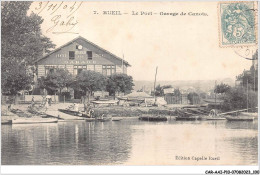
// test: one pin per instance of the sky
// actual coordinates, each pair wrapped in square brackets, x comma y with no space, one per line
[184,47]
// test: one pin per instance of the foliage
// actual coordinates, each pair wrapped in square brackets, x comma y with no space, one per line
[203,95]
[222,88]
[193,97]
[177,92]
[119,83]
[249,77]
[90,81]
[236,98]
[159,89]
[14,79]
[58,79]
[22,40]
[21,43]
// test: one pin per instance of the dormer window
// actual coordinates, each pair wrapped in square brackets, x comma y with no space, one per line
[71,55]
[89,53]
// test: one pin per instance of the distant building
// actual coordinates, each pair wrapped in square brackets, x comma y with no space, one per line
[81,54]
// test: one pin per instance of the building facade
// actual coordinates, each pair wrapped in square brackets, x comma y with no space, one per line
[78,55]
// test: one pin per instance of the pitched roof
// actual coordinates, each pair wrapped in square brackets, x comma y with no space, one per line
[94,45]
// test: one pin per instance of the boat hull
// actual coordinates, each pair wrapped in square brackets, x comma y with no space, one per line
[33,120]
[90,119]
[104,120]
[215,118]
[153,118]
[229,118]
[186,118]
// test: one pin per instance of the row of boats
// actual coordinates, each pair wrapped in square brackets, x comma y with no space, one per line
[191,114]
[36,115]
[182,114]
[203,114]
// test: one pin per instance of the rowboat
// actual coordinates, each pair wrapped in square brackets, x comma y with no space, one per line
[33,120]
[239,118]
[104,119]
[184,115]
[153,118]
[215,118]
[70,112]
[6,122]
[90,119]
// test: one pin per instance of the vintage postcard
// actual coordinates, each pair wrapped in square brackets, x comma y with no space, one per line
[129,83]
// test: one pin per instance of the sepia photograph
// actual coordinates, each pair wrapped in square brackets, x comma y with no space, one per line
[129,83]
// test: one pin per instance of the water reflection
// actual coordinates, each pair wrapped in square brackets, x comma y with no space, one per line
[130,142]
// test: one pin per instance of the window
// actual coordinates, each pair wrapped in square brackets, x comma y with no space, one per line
[71,55]
[79,69]
[108,70]
[104,70]
[89,53]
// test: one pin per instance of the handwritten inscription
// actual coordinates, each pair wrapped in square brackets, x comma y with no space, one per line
[63,19]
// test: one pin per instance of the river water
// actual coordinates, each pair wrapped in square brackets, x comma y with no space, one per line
[131,142]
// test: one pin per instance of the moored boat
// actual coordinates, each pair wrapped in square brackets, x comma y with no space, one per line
[215,118]
[239,118]
[153,118]
[188,118]
[90,119]
[6,122]
[33,120]
[104,119]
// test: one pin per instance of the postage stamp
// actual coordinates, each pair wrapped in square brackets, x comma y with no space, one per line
[237,24]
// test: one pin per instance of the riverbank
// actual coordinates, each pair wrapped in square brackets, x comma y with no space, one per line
[117,111]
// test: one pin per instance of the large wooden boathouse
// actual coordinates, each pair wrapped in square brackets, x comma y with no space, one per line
[81,54]
[78,55]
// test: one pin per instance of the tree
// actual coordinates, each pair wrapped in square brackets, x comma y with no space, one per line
[21,43]
[193,97]
[238,98]
[22,40]
[90,81]
[57,80]
[119,83]
[177,92]
[222,89]
[159,90]
[15,79]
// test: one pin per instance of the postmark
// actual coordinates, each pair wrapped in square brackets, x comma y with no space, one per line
[237,24]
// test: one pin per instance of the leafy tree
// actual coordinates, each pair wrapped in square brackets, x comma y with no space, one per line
[119,83]
[222,89]
[236,98]
[159,89]
[90,81]
[15,79]
[56,80]
[193,97]
[22,40]
[21,43]
[177,92]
